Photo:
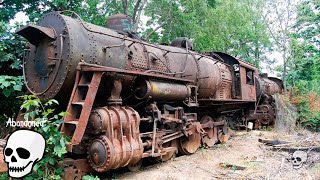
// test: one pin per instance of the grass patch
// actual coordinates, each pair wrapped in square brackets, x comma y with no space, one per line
[316,169]
[250,163]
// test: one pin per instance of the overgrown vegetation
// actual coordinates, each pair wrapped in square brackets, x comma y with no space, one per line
[308,107]
[11,87]
[90,177]
[11,81]
[4,176]
[48,167]
[304,65]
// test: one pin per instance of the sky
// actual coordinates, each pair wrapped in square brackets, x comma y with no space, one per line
[20,17]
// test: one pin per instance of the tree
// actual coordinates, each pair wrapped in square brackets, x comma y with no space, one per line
[304,64]
[280,17]
[11,81]
[171,19]
[231,26]
[237,27]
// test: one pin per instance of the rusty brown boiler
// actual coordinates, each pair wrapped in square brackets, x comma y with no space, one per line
[131,100]
[55,54]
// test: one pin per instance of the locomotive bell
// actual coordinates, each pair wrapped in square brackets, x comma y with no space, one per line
[182,42]
[119,22]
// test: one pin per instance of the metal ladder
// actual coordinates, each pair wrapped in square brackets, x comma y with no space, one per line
[80,105]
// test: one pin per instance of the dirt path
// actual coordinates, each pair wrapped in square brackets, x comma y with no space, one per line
[244,150]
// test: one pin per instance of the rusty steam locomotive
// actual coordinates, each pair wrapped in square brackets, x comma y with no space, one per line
[129,99]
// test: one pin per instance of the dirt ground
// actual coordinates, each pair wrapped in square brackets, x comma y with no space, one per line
[242,151]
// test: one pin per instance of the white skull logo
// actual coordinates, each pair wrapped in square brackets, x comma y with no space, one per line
[23,149]
[298,158]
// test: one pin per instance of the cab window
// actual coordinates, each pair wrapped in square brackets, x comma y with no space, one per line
[249,76]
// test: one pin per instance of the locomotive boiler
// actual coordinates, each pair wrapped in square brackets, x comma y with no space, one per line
[130,100]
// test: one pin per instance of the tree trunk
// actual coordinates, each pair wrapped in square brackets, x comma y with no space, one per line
[136,7]
[125,6]
[154,30]
[284,73]
[137,14]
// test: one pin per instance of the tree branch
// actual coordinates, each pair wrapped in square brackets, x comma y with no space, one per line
[3,2]
[135,11]
[154,30]
[137,18]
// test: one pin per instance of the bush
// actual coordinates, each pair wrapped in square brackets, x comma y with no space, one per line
[308,103]
[11,87]
[47,168]
[4,176]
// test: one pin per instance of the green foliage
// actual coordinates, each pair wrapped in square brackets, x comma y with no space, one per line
[307,117]
[11,50]
[55,143]
[93,11]
[11,84]
[4,176]
[10,88]
[231,26]
[90,177]
[304,64]
[237,27]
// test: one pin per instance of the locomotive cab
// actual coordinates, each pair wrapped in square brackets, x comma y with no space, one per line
[243,81]
[247,80]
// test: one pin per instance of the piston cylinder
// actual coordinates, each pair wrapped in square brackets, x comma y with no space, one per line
[162,91]
[120,143]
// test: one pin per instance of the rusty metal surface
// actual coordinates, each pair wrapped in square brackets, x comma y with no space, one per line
[93,67]
[191,143]
[119,22]
[74,169]
[79,107]
[161,91]
[182,42]
[107,48]
[31,31]
[211,136]
[170,153]
[247,65]
[267,86]
[3,165]
[121,144]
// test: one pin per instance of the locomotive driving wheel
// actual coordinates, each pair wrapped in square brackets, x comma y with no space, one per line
[70,171]
[170,154]
[189,145]
[135,167]
[223,132]
[210,138]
